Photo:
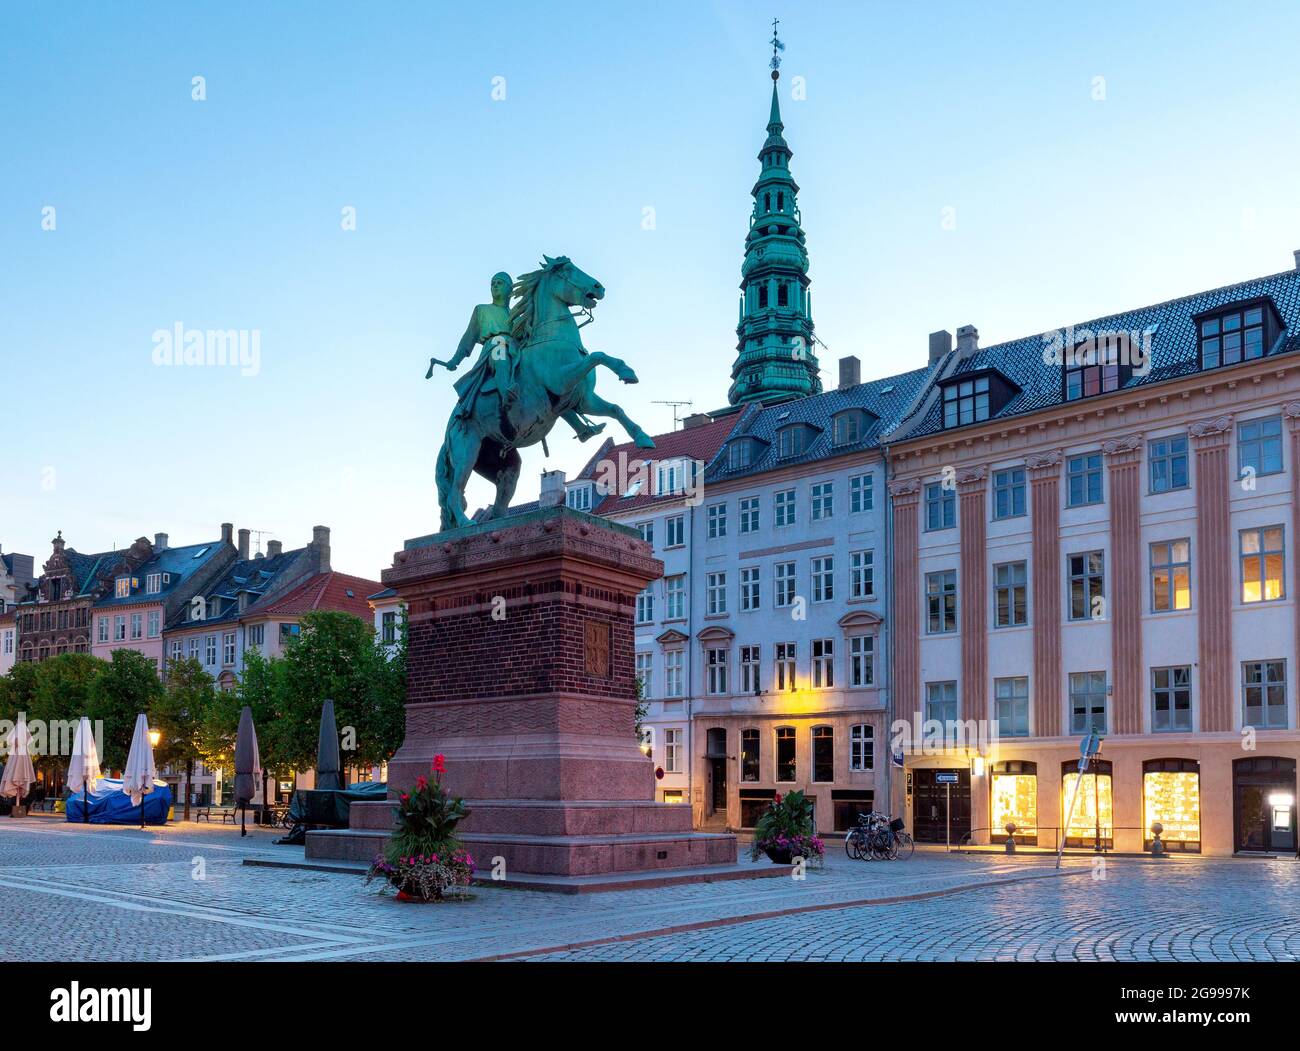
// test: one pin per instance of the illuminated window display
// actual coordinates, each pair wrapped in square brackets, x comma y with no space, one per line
[1013,787]
[1171,794]
[1092,809]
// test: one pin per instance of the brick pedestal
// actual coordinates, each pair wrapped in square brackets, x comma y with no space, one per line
[521,673]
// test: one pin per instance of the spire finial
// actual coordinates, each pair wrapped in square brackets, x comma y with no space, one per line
[777,48]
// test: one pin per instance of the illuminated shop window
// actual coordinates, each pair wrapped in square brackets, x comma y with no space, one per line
[1171,794]
[1094,807]
[1014,787]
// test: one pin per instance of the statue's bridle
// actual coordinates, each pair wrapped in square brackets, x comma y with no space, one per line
[561,270]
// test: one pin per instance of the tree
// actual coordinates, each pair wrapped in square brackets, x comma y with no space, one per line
[64,690]
[180,713]
[125,686]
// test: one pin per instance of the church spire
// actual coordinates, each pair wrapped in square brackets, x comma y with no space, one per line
[774,352]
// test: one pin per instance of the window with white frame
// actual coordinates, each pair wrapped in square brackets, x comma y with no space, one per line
[823,500]
[645,674]
[645,605]
[210,650]
[785,661]
[941,703]
[750,681]
[1259,446]
[193,648]
[119,628]
[784,584]
[862,574]
[1171,575]
[152,583]
[823,664]
[1088,699]
[1171,698]
[861,494]
[674,673]
[862,660]
[941,602]
[176,649]
[675,597]
[1011,706]
[155,624]
[1083,483]
[715,664]
[579,498]
[749,514]
[785,505]
[675,531]
[122,588]
[1263,693]
[1167,463]
[1009,493]
[673,750]
[1087,585]
[823,578]
[1010,595]
[940,507]
[647,531]
[228,648]
[750,588]
[716,593]
[717,521]
[103,628]
[1263,562]
[255,635]
[862,747]
[137,626]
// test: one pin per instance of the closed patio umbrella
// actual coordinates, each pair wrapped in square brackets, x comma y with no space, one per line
[327,750]
[19,772]
[83,767]
[248,767]
[138,777]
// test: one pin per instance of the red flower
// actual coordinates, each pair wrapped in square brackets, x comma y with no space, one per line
[405,798]
[439,764]
[421,783]
[778,797]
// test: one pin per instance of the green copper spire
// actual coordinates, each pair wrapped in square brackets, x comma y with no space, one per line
[774,352]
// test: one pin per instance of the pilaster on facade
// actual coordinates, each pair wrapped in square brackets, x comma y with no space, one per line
[1124,466]
[1211,441]
[905,694]
[1291,414]
[1045,522]
[972,485]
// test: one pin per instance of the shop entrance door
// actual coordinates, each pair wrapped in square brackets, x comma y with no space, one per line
[930,805]
[1263,810]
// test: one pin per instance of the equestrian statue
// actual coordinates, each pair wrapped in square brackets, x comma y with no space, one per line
[532,371]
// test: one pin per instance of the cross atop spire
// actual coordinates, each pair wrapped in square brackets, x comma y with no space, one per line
[777,48]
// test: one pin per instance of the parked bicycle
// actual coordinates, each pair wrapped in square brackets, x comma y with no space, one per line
[876,837]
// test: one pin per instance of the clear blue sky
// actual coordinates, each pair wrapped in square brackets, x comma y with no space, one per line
[226,214]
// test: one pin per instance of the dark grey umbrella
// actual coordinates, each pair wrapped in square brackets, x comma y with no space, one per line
[327,750]
[248,766]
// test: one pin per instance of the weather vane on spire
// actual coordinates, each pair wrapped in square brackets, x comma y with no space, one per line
[777,48]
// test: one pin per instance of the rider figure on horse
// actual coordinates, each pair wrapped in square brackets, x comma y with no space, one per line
[498,366]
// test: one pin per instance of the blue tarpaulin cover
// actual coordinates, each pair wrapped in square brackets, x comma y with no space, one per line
[109,805]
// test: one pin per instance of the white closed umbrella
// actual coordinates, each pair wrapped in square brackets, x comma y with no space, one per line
[19,772]
[138,777]
[83,767]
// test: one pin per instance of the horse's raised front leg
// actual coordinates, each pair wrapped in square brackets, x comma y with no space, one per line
[573,374]
[592,404]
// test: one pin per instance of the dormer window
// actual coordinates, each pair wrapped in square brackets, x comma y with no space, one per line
[792,441]
[123,587]
[740,454]
[1243,333]
[1099,365]
[675,477]
[975,398]
[152,583]
[214,606]
[849,426]
[579,497]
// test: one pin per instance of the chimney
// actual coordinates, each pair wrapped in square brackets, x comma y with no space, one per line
[940,344]
[159,542]
[273,548]
[696,419]
[243,544]
[968,341]
[850,372]
[227,533]
[552,494]
[320,548]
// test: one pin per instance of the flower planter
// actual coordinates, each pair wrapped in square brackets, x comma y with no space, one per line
[778,856]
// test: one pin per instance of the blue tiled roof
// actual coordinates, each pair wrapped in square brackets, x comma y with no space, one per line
[1173,342]
[178,564]
[86,568]
[253,575]
[886,399]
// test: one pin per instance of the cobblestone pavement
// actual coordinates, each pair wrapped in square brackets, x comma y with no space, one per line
[183,893]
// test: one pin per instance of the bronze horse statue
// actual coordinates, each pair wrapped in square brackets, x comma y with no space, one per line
[547,374]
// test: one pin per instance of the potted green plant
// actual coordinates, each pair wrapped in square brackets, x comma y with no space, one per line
[784,831]
[423,860]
